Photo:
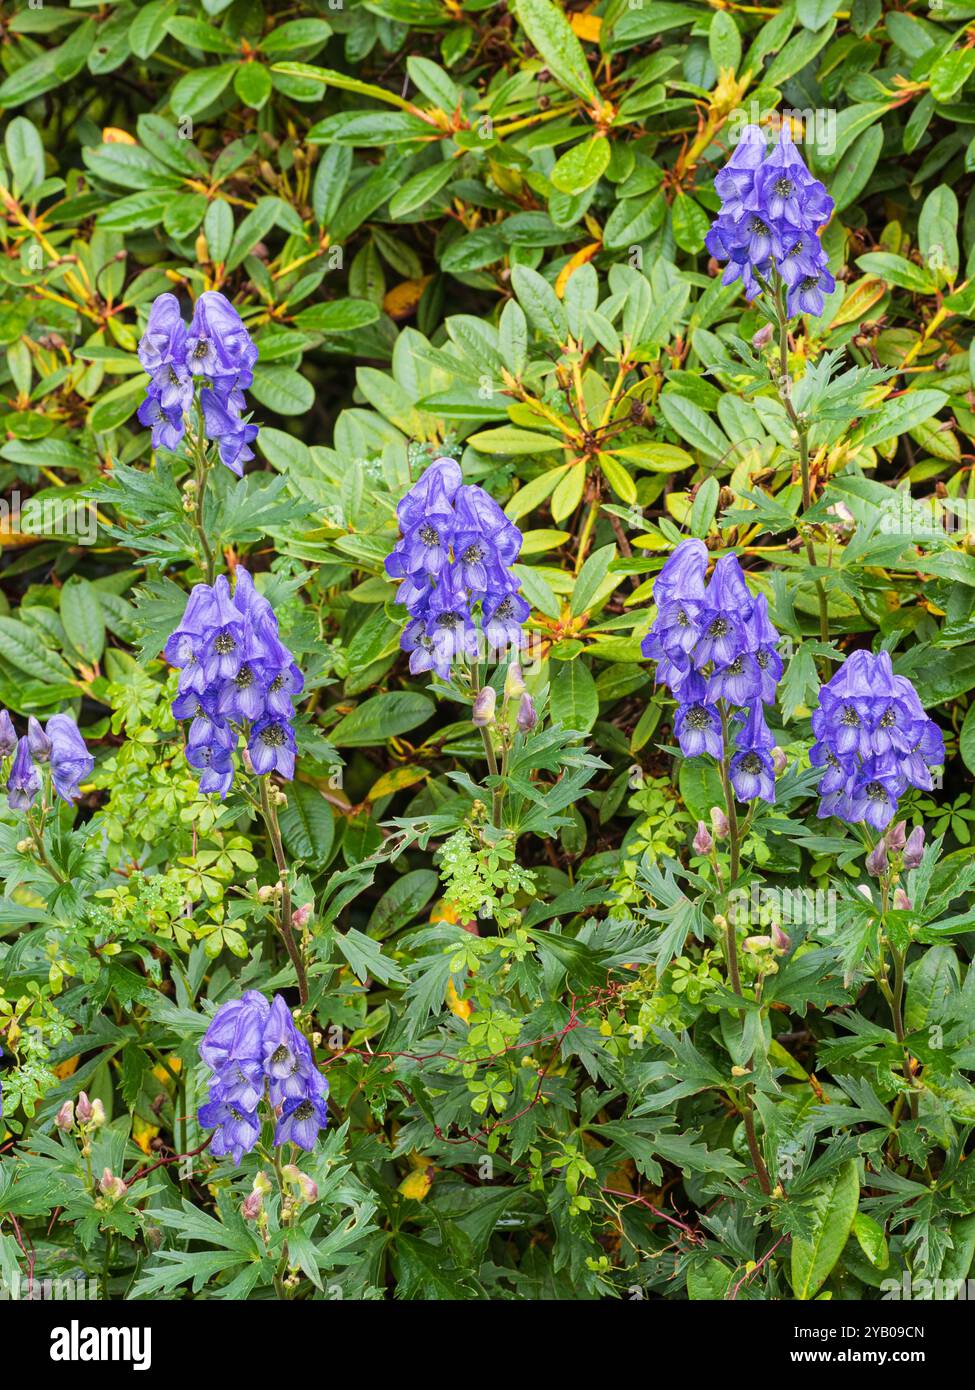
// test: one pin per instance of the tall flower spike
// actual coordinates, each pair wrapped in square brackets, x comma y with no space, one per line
[454,559]
[216,357]
[715,647]
[236,677]
[772,211]
[257,1054]
[873,740]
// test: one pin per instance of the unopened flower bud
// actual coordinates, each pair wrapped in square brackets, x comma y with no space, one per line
[514,682]
[245,758]
[8,735]
[703,844]
[914,848]
[757,943]
[779,760]
[97,1114]
[484,705]
[250,1208]
[265,893]
[263,1184]
[83,1109]
[902,902]
[65,1116]
[781,940]
[896,836]
[763,337]
[309,1188]
[299,917]
[527,717]
[876,862]
[719,823]
[111,1186]
[38,741]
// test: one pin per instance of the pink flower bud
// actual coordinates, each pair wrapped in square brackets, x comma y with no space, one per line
[781,941]
[111,1186]
[914,848]
[763,337]
[97,1114]
[65,1117]
[251,1206]
[876,862]
[83,1110]
[703,844]
[719,823]
[484,705]
[527,717]
[896,836]
[779,760]
[309,1188]
[299,918]
[902,902]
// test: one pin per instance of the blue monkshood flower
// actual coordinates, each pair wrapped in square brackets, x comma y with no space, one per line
[873,740]
[772,210]
[236,677]
[38,741]
[24,781]
[697,724]
[454,559]
[217,355]
[715,648]
[8,736]
[70,760]
[236,1031]
[301,1119]
[61,745]
[752,770]
[256,1052]
[236,1130]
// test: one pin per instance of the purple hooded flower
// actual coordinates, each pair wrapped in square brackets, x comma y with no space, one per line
[272,748]
[8,736]
[300,1122]
[453,558]
[38,741]
[237,1129]
[71,762]
[24,781]
[257,1053]
[772,210]
[752,769]
[873,738]
[218,344]
[217,354]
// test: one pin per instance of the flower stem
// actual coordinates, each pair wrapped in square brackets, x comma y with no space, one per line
[731,947]
[285,926]
[801,428]
[202,469]
[497,795]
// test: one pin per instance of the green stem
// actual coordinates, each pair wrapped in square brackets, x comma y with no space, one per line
[801,428]
[202,469]
[731,949]
[285,925]
[37,835]
[497,795]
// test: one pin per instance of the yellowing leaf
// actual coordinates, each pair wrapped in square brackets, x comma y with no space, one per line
[396,780]
[586,26]
[417,1184]
[863,295]
[460,1008]
[112,135]
[402,299]
[65,1069]
[143,1134]
[580,258]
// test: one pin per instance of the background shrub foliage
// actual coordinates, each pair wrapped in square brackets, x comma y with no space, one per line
[478,229]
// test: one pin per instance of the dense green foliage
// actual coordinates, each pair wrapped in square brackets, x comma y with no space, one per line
[475,229]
